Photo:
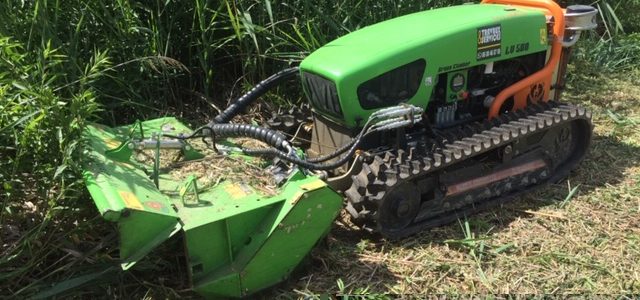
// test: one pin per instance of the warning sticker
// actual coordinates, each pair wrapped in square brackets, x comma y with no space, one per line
[130,200]
[543,36]
[238,190]
[489,42]
[112,143]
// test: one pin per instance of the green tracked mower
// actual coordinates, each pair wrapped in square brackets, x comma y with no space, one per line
[411,123]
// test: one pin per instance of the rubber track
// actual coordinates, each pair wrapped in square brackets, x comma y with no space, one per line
[384,172]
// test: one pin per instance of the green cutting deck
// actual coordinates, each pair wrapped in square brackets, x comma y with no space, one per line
[239,240]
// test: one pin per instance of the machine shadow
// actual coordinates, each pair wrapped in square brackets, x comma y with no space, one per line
[604,165]
[343,254]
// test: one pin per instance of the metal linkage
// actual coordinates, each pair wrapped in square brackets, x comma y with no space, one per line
[155,141]
[395,117]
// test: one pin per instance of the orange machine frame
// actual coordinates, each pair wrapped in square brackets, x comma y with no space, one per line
[543,76]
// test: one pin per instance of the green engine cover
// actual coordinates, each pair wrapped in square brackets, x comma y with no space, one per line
[426,44]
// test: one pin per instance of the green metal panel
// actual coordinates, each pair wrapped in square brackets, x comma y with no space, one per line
[301,228]
[448,39]
[249,258]
[122,192]
[237,239]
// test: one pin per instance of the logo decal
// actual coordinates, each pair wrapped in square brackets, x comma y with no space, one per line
[457,83]
[489,42]
[155,205]
[536,93]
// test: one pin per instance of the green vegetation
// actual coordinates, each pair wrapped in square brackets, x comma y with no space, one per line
[63,63]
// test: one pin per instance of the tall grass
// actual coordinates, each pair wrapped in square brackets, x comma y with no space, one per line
[63,63]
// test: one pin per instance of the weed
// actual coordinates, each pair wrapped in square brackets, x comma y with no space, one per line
[572,192]
[65,63]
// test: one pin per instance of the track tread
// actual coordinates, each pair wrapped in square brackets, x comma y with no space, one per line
[366,193]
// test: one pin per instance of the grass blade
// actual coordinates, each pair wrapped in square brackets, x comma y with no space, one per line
[569,196]
[72,283]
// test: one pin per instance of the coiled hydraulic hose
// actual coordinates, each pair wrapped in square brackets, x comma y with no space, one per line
[251,96]
[271,137]
[389,118]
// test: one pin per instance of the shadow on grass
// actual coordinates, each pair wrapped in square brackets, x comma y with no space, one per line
[604,166]
[365,261]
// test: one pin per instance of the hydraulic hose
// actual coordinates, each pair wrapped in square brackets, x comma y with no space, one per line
[333,154]
[382,120]
[271,137]
[344,147]
[300,162]
[251,96]
[307,164]
[392,118]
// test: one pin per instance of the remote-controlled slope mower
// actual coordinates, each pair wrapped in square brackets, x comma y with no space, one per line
[410,123]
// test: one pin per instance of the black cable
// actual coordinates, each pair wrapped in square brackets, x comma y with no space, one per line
[306,163]
[193,135]
[333,154]
[251,96]
[342,148]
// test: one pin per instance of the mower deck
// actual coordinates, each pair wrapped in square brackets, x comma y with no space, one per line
[233,229]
